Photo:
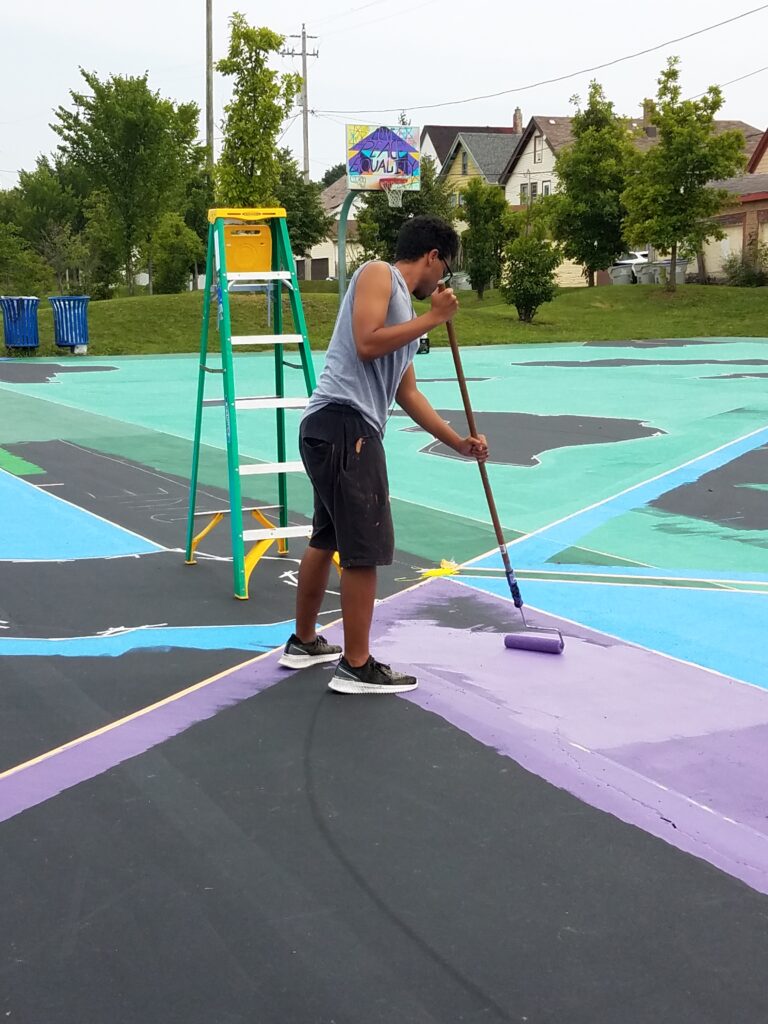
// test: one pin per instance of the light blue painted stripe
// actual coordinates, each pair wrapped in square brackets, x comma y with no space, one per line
[111,645]
[723,630]
[586,569]
[37,525]
[537,547]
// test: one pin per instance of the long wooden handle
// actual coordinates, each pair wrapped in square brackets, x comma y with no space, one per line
[509,571]
[473,431]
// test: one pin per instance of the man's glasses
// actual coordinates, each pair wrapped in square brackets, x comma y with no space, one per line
[446,279]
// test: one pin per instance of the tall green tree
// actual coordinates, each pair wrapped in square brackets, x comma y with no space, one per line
[588,212]
[46,204]
[333,174]
[176,248]
[308,223]
[379,224]
[669,200]
[22,270]
[199,200]
[103,241]
[136,148]
[485,210]
[248,170]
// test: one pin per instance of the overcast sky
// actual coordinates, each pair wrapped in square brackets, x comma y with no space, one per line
[376,54]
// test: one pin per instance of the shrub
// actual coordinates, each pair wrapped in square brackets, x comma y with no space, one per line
[528,279]
[749,270]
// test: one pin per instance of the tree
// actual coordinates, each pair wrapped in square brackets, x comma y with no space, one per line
[333,174]
[248,171]
[485,208]
[528,279]
[669,200]
[176,248]
[588,212]
[63,250]
[136,148]
[378,224]
[46,205]
[199,200]
[22,270]
[307,221]
[103,247]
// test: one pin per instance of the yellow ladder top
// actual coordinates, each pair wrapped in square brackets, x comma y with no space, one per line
[245,214]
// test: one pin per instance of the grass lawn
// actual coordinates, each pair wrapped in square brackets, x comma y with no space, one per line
[171,323]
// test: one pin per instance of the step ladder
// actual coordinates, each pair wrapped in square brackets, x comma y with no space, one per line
[249,250]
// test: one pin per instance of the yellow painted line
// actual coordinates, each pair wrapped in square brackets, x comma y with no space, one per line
[133,716]
[169,700]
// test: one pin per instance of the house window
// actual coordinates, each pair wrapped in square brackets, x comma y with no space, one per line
[538,148]
[454,200]
[461,199]
[546,188]
[534,190]
[523,193]
[464,162]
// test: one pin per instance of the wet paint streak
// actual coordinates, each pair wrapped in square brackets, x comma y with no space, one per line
[113,644]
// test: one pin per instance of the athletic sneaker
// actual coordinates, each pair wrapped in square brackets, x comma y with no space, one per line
[372,677]
[299,655]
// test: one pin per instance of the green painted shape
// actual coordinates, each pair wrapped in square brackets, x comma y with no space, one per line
[659,538]
[586,556]
[429,536]
[19,467]
[698,415]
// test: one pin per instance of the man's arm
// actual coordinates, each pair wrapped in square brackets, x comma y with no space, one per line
[418,407]
[372,294]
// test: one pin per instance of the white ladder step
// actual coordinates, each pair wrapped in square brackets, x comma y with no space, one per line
[270,403]
[259,275]
[278,533]
[267,339]
[272,467]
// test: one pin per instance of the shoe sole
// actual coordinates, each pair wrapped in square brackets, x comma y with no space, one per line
[354,686]
[305,660]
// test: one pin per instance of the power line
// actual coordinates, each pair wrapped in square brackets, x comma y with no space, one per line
[733,81]
[285,130]
[342,14]
[392,14]
[559,78]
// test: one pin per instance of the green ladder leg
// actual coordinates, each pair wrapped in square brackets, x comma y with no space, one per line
[189,554]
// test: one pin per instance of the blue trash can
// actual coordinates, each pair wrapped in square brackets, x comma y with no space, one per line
[20,321]
[70,322]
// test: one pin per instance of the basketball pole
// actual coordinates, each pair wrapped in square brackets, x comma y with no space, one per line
[346,206]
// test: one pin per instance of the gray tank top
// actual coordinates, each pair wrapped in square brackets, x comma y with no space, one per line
[369,387]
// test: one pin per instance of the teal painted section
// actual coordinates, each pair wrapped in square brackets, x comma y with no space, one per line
[111,645]
[696,413]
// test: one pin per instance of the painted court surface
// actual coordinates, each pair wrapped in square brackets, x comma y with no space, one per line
[190,834]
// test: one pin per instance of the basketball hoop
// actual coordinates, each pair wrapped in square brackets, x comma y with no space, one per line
[395,189]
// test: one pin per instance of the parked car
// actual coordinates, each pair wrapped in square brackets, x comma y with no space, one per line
[635,259]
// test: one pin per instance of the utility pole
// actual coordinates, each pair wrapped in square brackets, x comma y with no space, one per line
[304,91]
[209,80]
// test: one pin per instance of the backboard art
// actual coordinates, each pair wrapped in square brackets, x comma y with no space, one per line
[381,153]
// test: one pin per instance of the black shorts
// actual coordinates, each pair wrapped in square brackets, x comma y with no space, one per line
[344,458]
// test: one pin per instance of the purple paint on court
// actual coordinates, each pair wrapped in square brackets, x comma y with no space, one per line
[665,746]
[38,782]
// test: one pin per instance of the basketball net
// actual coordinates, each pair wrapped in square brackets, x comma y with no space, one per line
[395,189]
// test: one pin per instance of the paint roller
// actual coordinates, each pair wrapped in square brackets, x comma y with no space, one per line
[526,638]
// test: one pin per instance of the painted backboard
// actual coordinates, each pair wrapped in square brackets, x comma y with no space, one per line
[383,151]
